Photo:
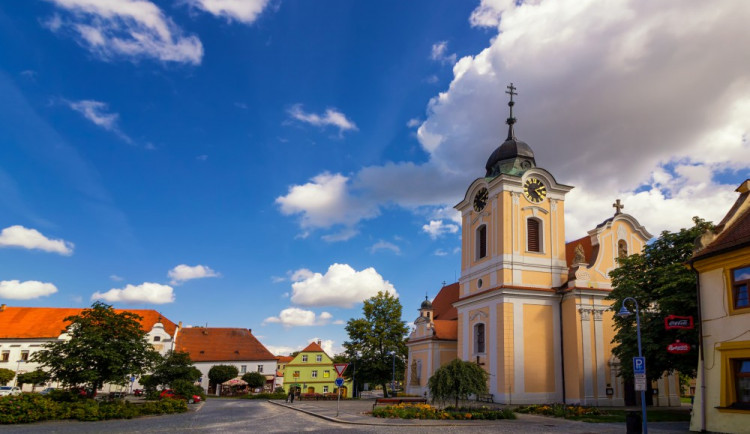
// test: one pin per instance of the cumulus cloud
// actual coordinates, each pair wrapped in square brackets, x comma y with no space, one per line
[19,236]
[341,286]
[648,124]
[436,229]
[16,290]
[132,29]
[98,113]
[413,122]
[116,278]
[182,273]
[331,117]
[440,53]
[296,317]
[244,11]
[385,245]
[147,292]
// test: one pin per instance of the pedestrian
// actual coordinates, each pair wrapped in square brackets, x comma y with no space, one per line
[290,397]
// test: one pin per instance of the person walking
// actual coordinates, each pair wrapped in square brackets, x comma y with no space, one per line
[290,397]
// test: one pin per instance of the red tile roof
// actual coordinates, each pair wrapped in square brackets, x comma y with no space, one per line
[446,329]
[314,347]
[221,344]
[442,306]
[49,322]
[570,250]
[285,359]
[737,234]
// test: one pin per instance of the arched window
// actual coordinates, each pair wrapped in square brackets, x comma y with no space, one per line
[622,249]
[481,241]
[479,338]
[533,235]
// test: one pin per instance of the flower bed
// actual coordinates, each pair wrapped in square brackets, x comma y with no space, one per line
[426,411]
[561,410]
[32,407]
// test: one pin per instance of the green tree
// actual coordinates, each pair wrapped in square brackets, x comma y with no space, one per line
[661,283]
[457,380]
[33,378]
[254,379]
[104,347]
[174,366]
[374,337]
[221,373]
[6,375]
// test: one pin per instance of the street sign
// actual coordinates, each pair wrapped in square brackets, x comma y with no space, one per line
[640,384]
[639,365]
[678,347]
[340,368]
[339,382]
[678,322]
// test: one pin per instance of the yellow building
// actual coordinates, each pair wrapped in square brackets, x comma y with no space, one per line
[722,261]
[312,371]
[529,308]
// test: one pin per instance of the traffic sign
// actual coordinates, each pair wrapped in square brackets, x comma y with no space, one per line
[340,368]
[639,365]
[339,382]
[640,384]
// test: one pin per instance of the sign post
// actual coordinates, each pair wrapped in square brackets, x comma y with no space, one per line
[339,383]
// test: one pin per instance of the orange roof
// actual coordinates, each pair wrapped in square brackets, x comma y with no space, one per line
[570,250]
[446,329]
[221,344]
[442,306]
[285,359]
[314,347]
[49,322]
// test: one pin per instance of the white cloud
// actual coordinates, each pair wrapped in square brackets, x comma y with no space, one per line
[436,229]
[183,273]
[146,292]
[439,53]
[341,286]
[19,236]
[131,29]
[296,317]
[282,350]
[440,252]
[244,11]
[327,345]
[385,245]
[331,117]
[15,290]
[116,278]
[98,113]
[413,122]
[342,235]
[647,111]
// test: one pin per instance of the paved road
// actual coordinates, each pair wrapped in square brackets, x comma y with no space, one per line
[225,416]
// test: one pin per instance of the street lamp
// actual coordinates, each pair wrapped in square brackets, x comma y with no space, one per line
[393,378]
[18,368]
[624,313]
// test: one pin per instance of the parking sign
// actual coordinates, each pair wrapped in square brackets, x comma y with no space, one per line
[639,365]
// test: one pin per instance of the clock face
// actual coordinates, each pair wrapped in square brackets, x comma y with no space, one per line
[480,200]
[534,190]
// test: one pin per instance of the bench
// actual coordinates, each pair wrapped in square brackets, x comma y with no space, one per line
[486,397]
[397,400]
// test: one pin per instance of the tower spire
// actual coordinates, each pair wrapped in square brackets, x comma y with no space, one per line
[511,120]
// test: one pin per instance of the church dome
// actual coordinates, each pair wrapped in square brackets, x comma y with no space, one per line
[513,157]
[511,149]
[426,304]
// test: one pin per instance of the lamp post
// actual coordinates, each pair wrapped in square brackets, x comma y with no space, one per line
[624,313]
[18,368]
[393,378]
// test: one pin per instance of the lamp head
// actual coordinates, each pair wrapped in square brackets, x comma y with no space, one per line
[624,312]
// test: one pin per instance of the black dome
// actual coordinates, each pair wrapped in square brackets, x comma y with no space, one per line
[426,304]
[510,149]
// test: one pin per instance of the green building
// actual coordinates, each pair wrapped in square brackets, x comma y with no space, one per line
[312,371]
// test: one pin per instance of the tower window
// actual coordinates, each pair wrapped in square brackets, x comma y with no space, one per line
[479,338]
[534,235]
[481,241]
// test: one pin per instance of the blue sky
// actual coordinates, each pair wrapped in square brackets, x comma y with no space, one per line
[269,164]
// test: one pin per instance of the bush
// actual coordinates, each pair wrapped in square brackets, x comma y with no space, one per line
[187,389]
[560,410]
[275,395]
[426,411]
[27,407]
[278,389]
[59,395]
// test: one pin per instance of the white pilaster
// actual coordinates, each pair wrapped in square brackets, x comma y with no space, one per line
[588,384]
[518,359]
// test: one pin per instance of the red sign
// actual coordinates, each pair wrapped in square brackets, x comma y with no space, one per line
[678,322]
[678,348]
[340,367]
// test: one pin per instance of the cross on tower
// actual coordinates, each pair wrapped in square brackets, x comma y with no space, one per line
[511,120]
[619,207]
[511,91]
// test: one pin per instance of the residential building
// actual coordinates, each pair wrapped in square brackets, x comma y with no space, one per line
[312,371]
[722,262]
[281,368]
[226,346]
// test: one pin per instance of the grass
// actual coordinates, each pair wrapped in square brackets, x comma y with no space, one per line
[686,399]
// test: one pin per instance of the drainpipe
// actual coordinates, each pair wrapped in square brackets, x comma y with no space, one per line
[562,348]
[700,346]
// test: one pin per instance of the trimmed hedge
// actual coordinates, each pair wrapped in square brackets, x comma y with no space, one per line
[274,395]
[426,411]
[32,407]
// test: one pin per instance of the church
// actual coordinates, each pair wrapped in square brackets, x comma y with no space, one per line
[530,308]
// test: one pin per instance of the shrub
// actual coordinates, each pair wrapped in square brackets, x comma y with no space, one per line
[187,389]
[426,411]
[560,410]
[275,395]
[27,407]
[58,395]
[278,389]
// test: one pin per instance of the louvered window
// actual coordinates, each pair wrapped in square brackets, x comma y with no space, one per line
[479,338]
[482,242]
[534,235]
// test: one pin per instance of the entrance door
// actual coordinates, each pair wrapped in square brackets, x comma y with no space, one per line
[310,390]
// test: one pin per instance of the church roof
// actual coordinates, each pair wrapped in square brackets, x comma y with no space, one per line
[220,344]
[49,322]
[442,306]
[446,329]
[733,232]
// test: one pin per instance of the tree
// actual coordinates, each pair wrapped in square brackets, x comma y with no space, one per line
[254,379]
[6,375]
[661,283]
[33,378]
[174,366]
[374,337]
[457,380]
[221,373]
[104,347]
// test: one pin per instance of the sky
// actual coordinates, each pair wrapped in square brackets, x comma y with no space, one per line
[270,164]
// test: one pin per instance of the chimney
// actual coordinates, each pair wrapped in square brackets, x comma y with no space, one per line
[319,341]
[250,330]
[2,307]
[179,326]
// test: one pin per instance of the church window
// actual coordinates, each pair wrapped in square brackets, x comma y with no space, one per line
[622,249]
[481,241]
[479,338]
[419,371]
[740,287]
[534,235]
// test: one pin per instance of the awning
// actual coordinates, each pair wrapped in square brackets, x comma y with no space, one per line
[235,382]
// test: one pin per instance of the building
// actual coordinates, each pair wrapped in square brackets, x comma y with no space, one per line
[722,262]
[281,368]
[529,308]
[312,371]
[25,330]
[226,346]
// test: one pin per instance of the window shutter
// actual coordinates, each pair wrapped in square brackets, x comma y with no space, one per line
[533,235]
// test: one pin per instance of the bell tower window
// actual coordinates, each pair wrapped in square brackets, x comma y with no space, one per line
[479,338]
[533,235]
[481,241]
